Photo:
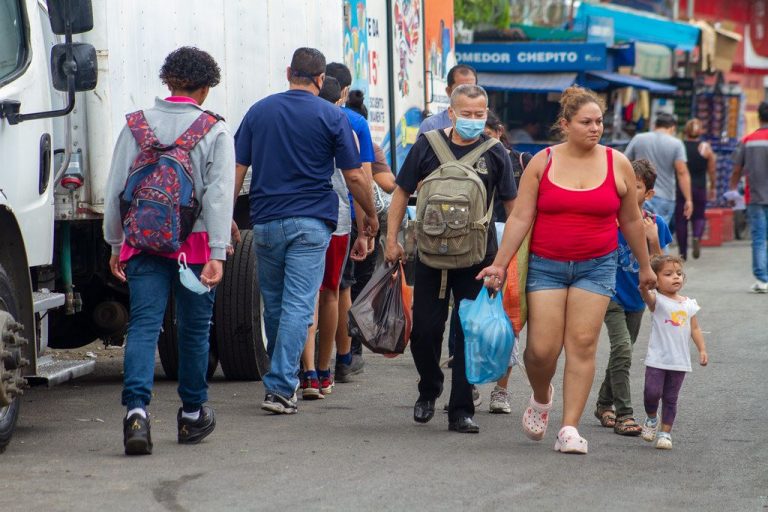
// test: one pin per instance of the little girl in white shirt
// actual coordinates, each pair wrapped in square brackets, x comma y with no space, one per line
[669,358]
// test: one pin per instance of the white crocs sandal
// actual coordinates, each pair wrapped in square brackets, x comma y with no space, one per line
[536,417]
[569,441]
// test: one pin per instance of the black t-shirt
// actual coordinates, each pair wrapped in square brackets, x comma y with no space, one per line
[697,164]
[519,163]
[494,169]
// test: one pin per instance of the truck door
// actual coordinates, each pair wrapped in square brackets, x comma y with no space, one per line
[25,173]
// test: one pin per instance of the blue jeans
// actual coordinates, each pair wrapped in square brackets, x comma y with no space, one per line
[662,207]
[758,222]
[150,280]
[596,275]
[291,260]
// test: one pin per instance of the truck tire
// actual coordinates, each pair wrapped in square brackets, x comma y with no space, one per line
[237,319]
[168,346]
[10,413]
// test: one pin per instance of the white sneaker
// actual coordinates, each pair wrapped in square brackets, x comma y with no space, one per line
[664,441]
[500,401]
[759,287]
[476,398]
[649,429]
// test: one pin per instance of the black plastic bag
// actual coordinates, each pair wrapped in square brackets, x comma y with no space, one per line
[381,315]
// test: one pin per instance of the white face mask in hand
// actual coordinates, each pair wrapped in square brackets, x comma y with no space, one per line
[188,278]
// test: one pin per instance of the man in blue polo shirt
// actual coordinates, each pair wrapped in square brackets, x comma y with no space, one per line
[290,140]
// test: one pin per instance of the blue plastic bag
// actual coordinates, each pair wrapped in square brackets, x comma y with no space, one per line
[488,337]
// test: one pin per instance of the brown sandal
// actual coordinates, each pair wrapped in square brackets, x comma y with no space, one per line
[607,417]
[627,426]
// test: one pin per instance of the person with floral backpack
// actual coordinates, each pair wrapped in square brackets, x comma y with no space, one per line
[167,217]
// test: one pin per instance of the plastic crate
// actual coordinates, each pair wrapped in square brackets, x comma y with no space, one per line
[728,231]
[713,232]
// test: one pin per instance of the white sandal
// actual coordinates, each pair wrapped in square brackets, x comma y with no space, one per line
[536,417]
[569,441]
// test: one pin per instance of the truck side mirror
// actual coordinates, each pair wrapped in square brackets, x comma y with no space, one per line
[85,69]
[78,13]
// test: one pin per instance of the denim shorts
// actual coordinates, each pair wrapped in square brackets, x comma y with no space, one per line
[597,275]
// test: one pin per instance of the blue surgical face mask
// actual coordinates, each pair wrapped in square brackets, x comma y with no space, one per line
[469,128]
[188,278]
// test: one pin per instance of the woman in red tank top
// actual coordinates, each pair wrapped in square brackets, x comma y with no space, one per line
[576,192]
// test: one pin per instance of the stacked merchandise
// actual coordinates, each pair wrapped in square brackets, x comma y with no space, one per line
[719,114]
[683,101]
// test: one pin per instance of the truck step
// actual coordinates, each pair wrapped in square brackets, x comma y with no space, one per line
[51,372]
[45,300]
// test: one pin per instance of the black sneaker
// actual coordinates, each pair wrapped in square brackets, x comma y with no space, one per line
[137,439]
[277,404]
[194,431]
[342,372]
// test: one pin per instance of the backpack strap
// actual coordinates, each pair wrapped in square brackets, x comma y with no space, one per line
[440,147]
[141,131]
[443,284]
[473,156]
[197,130]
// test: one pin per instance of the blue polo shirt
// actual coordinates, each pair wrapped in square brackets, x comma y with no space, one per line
[363,132]
[291,140]
[628,271]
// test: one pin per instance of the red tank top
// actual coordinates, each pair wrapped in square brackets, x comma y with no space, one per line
[576,225]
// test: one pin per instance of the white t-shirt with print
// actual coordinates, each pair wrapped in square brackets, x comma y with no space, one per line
[669,346]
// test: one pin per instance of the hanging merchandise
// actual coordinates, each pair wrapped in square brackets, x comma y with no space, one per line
[719,114]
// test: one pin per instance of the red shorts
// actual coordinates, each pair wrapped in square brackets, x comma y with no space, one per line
[335,258]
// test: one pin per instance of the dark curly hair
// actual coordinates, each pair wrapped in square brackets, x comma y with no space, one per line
[189,69]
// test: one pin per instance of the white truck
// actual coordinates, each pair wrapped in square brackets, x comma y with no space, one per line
[69,72]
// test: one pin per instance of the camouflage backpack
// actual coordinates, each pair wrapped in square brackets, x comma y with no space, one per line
[451,215]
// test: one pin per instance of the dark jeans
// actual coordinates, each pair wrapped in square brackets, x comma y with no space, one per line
[698,219]
[623,327]
[429,318]
[150,279]
[662,385]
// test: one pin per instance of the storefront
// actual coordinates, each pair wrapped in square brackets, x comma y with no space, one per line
[525,80]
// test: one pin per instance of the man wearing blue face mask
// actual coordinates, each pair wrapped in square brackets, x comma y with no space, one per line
[436,279]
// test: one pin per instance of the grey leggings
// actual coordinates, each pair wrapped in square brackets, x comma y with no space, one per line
[662,385]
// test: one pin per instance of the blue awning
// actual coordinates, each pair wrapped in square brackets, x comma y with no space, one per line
[526,82]
[632,25]
[600,80]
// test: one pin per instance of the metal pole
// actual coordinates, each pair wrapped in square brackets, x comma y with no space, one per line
[676,9]
[690,6]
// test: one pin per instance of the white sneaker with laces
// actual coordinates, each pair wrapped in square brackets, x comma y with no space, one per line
[500,401]
[759,287]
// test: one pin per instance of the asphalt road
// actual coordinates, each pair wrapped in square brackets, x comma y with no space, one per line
[360,450]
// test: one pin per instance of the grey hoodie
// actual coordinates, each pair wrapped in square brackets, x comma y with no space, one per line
[213,166]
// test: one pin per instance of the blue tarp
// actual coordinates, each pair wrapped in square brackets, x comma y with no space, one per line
[600,80]
[634,25]
[526,82]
